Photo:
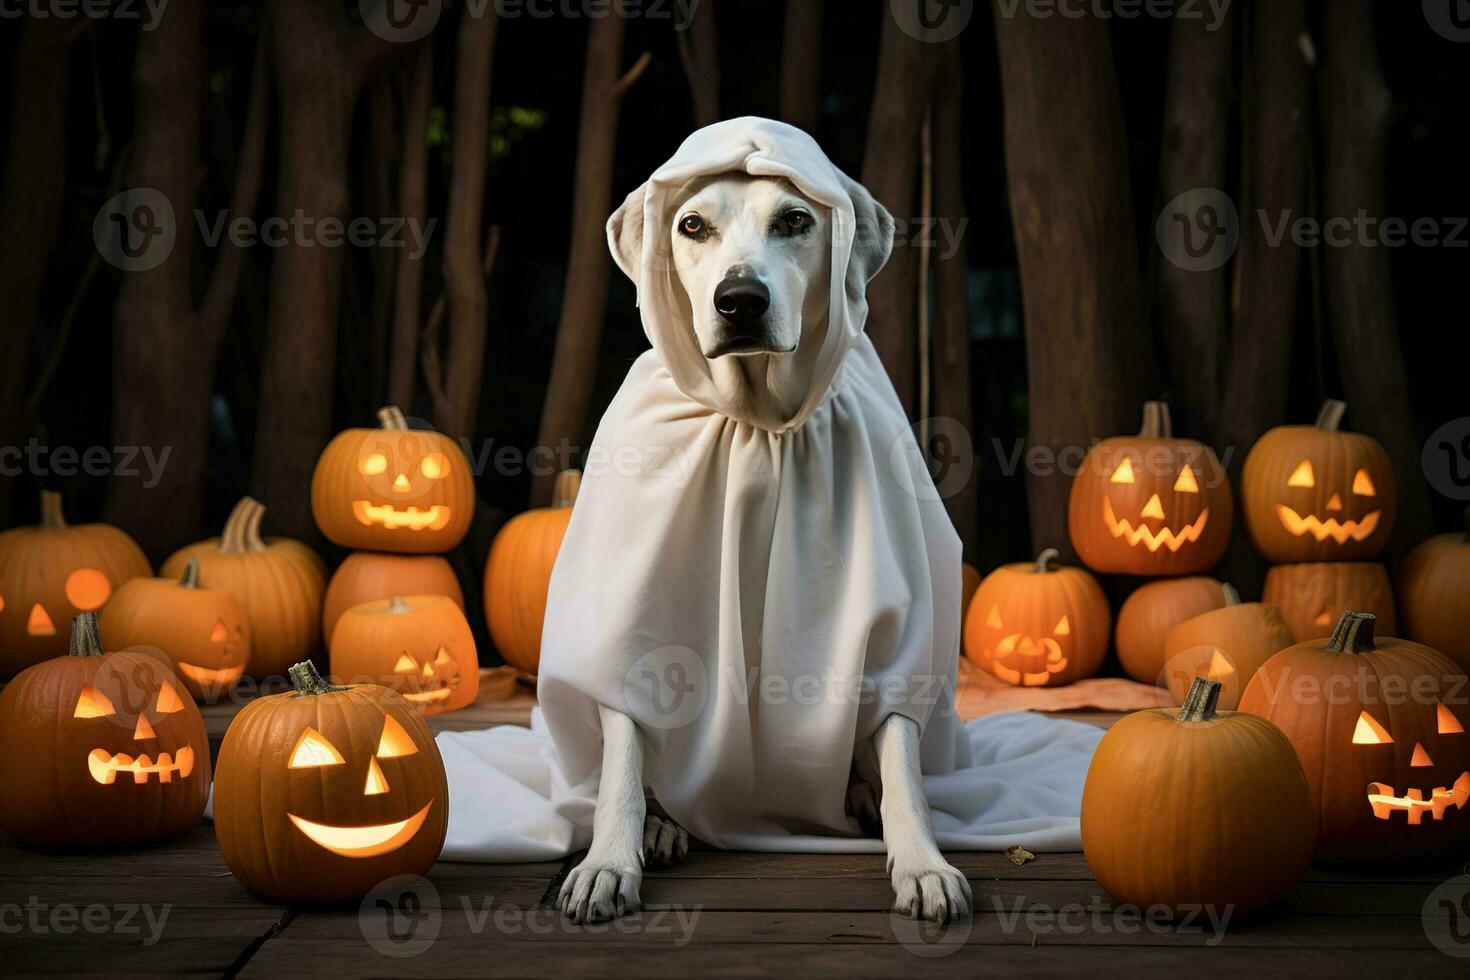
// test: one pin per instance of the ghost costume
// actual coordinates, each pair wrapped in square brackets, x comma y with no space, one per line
[758,590]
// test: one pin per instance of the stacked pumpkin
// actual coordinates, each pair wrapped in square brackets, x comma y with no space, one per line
[1320,502]
[394,612]
[1159,506]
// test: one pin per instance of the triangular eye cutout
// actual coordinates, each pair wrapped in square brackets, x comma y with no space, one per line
[1302,476]
[92,704]
[1063,627]
[1448,723]
[405,665]
[993,619]
[1219,667]
[394,741]
[1124,472]
[1369,732]
[442,657]
[1363,485]
[1186,482]
[376,781]
[312,749]
[220,633]
[168,700]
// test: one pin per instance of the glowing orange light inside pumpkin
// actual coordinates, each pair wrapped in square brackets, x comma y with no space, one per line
[405,664]
[142,730]
[1186,482]
[1124,472]
[1363,485]
[313,750]
[372,464]
[993,620]
[87,589]
[1302,476]
[376,781]
[1154,508]
[394,741]
[442,657]
[435,466]
[220,633]
[1448,723]
[1421,758]
[1063,627]
[1369,732]
[359,842]
[92,704]
[168,700]
[40,624]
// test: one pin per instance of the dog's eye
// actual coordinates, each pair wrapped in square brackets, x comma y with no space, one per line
[794,222]
[692,226]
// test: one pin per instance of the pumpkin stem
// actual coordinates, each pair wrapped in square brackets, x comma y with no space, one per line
[1232,597]
[1354,633]
[397,605]
[190,578]
[1157,423]
[1200,702]
[51,510]
[1330,417]
[1045,559]
[391,417]
[564,491]
[84,639]
[306,680]
[232,540]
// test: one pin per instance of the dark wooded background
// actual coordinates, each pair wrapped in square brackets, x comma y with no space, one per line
[1058,318]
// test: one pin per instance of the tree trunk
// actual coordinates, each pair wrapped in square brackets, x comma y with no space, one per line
[164,348]
[699,54]
[890,172]
[30,208]
[322,63]
[1356,106]
[1067,166]
[1194,305]
[413,198]
[801,64]
[584,299]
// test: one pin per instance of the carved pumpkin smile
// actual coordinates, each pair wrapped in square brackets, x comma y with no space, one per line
[1384,802]
[435,518]
[206,678]
[1153,540]
[1036,659]
[104,766]
[367,841]
[1339,531]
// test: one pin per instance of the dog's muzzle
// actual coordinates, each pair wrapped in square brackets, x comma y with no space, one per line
[742,300]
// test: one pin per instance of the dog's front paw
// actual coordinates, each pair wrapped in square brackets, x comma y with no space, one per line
[664,842]
[928,888]
[600,889]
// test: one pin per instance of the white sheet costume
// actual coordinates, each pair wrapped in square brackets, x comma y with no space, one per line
[757,593]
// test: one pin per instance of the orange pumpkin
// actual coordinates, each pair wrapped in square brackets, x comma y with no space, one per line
[1434,594]
[1196,810]
[52,571]
[100,749]
[366,575]
[1150,504]
[969,582]
[1314,596]
[518,574]
[1316,493]
[202,631]
[1037,624]
[1379,725]
[1227,645]
[393,489]
[1151,612]
[420,646]
[323,792]
[277,581]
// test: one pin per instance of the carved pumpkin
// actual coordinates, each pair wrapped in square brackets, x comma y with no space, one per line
[1196,809]
[1151,612]
[1434,594]
[1314,596]
[420,646]
[1379,725]
[1038,625]
[277,581]
[52,571]
[100,749]
[1150,504]
[1316,493]
[1226,645]
[203,632]
[518,573]
[393,488]
[323,792]
[366,575]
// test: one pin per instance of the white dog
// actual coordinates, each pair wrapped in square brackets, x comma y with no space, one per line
[752,256]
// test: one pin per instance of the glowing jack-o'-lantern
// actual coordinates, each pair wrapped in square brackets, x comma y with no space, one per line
[1314,595]
[51,572]
[323,792]
[1227,645]
[202,631]
[1224,789]
[1434,594]
[1379,725]
[420,646]
[1314,493]
[393,488]
[1038,625]
[100,748]
[365,576]
[1150,504]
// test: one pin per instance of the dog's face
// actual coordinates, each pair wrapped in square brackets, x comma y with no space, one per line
[753,256]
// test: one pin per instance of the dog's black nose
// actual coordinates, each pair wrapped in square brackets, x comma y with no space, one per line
[742,299]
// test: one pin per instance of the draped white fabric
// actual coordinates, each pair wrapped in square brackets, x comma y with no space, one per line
[758,593]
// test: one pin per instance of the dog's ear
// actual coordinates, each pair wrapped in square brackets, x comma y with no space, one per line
[873,238]
[625,233]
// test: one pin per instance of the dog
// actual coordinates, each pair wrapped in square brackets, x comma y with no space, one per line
[753,257]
